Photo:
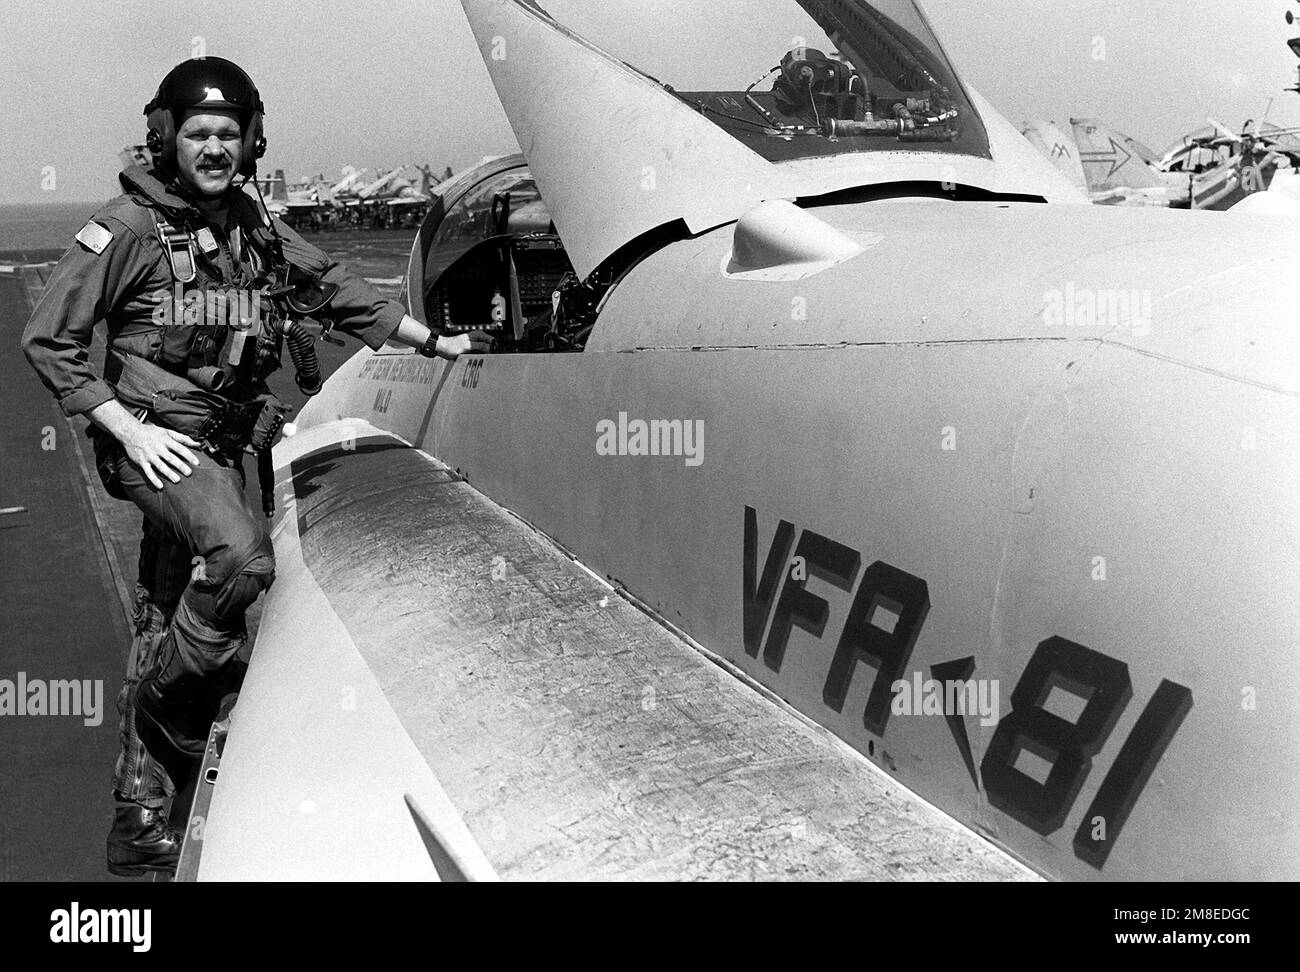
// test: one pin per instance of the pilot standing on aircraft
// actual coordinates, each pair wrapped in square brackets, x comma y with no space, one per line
[169,436]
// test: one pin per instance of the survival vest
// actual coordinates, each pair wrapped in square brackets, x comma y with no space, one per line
[214,327]
[203,370]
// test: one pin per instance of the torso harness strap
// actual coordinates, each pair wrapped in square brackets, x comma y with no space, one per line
[178,245]
[230,425]
[252,354]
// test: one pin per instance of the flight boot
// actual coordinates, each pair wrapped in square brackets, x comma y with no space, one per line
[176,703]
[142,839]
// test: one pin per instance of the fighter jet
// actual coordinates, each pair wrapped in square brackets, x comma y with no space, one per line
[404,192]
[347,185]
[138,154]
[1220,168]
[417,189]
[845,498]
[298,205]
[366,197]
[1207,169]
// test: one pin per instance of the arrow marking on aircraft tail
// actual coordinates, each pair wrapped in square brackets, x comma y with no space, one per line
[959,670]
[1113,157]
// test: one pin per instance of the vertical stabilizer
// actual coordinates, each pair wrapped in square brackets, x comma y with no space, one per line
[1112,160]
[1058,146]
[279,189]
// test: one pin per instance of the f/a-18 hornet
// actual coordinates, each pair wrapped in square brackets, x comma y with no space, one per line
[845,496]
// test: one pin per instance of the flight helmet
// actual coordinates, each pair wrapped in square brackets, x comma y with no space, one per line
[205,82]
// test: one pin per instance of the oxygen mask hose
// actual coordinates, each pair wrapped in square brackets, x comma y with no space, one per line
[302,350]
[302,300]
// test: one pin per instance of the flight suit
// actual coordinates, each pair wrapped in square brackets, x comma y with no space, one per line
[205,555]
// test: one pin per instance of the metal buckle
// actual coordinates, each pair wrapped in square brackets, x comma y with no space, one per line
[178,245]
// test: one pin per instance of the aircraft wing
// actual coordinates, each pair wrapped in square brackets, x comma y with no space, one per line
[547,727]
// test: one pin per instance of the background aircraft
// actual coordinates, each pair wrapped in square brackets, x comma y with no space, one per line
[1222,167]
[295,206]
[1207,169]
[948,425]
[1211,168]
[397,197]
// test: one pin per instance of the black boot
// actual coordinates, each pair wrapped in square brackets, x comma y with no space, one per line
[174,702]
[142,839]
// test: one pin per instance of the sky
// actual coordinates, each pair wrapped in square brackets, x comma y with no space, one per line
[384,84]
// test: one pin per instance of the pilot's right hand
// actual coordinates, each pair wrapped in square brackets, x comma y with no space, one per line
[160,451]
[475,342]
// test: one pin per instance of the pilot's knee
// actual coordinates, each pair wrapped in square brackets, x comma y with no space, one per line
[242,589]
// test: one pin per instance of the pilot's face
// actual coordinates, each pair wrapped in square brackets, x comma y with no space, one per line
[209,149]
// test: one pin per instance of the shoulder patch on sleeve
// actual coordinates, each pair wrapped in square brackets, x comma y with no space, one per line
[94,237]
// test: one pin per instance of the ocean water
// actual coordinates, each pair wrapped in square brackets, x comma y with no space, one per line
[42,226]
[379,255]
